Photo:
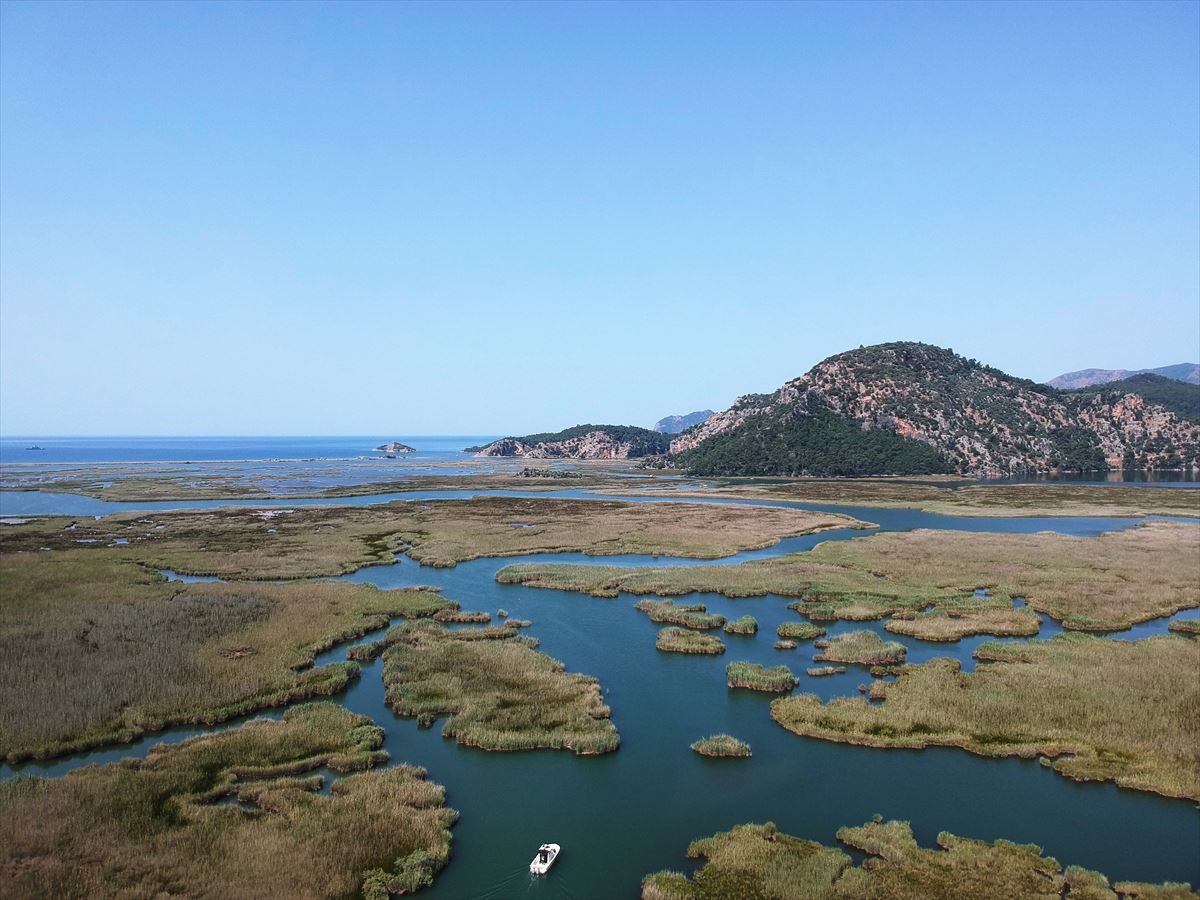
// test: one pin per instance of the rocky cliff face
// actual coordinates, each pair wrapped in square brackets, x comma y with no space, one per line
[977,419]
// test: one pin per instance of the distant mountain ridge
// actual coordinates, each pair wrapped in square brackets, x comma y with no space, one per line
[1186,372]
[911,408]
[676,424]
[581,442]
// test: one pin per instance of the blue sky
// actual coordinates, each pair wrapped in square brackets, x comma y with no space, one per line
[491,218]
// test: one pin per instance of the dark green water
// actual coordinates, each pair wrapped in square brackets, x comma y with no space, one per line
[625,814]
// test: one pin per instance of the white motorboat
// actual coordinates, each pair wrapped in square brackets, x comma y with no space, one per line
[546,855]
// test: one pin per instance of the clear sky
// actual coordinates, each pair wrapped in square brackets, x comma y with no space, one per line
[228,218]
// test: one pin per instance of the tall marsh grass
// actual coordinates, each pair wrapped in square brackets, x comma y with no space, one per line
[758,861]
[98,649]
[153,827]
[929,578]
[1123,711]
[497,694]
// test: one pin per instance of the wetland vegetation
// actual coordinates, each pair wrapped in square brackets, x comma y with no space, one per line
[684,640]
[822,671]
[864,648]
[1098,709]
[1185,626]
[135,652]
[952,495]
[318,541]
[689,615]
[742,625]
[752,676]
[132,653]
[721,745]
[498,693]
[799,631]
[758,861]
[161,826]
[931,578]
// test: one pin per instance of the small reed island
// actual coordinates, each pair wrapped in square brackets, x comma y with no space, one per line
[865,648]
[752,676]
[721,745]
[744,625]
[683,640]
[799,631]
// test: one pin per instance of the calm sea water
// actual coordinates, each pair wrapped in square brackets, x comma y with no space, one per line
[18,449]
[625,814]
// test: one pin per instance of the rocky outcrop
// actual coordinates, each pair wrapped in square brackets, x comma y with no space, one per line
[676,424]
[581,442]
[894,400]
[395,447]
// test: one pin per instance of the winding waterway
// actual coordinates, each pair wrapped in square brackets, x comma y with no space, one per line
[624,814]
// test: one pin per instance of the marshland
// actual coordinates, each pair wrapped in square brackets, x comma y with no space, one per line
[760,861]
[649,697]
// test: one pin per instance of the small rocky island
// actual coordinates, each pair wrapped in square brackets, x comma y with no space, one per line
[395,447]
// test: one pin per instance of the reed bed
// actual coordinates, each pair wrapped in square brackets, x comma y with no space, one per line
[1109,582]
[785,645]
[1185,626]
[799,631]
[759,861]
[452,616]
[1123,711]
[742,625]
[953,497]
[721,745]
[864,648]
[688,615]
[754,677]
[153,828]
[684,640]
[497,694]
[105,650]
[822,671]
[314,541]
[949,624]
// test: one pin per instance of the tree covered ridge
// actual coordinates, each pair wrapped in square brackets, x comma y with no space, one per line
[1178,397]
[913,408]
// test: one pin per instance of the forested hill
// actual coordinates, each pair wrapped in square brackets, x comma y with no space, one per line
[911,408]
[1179,397]
[581,442]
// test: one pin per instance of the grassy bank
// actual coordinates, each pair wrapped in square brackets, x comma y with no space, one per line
[929,578]
[153,828]
[105,650]
[1125,711]
[497,694]
[685,640]
[313,541]
[754,677]
[688,615]
[721,745]
[865,648]
[757,861]
[1185,626]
